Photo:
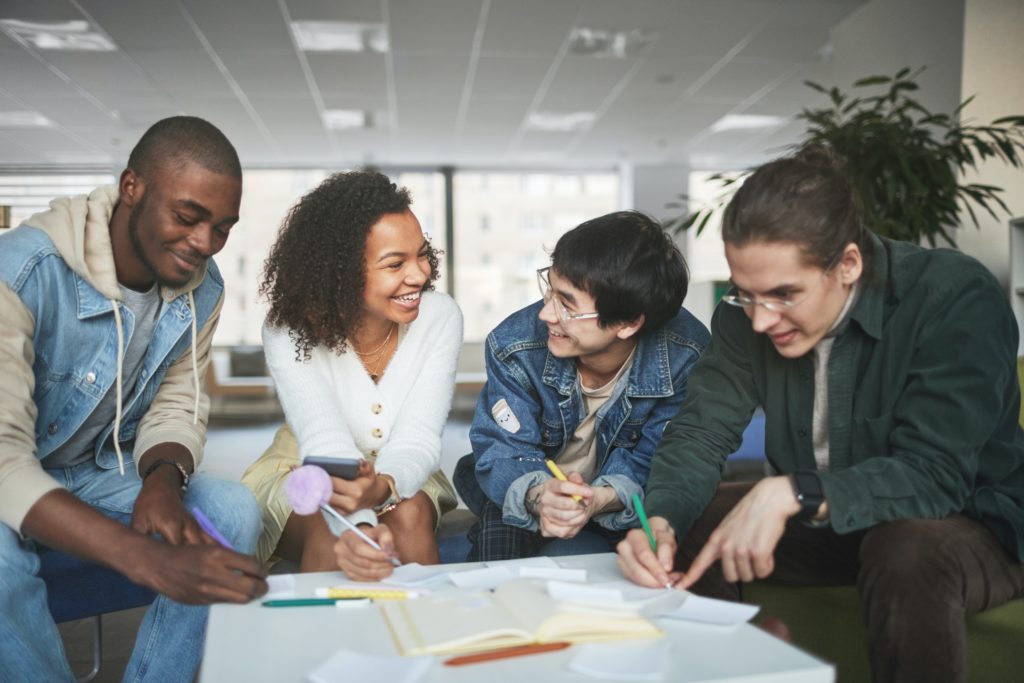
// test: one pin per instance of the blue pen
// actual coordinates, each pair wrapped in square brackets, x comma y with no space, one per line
[209,528]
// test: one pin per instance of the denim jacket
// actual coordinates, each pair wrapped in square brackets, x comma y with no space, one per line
[59,350]
[544,408]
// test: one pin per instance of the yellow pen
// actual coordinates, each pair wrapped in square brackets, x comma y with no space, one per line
[371,593]
[560,475]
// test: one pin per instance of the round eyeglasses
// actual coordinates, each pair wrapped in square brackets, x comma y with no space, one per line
[544,283]
[774,304]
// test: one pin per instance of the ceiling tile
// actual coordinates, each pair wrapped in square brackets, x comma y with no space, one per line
[740,79]
[514,28]
[415,26]
[431,76]
[230,27]
[39,10]
[583,83]
[348,73]
[189,72]
[148,24]
[511,77]
[360,11]
[266,72]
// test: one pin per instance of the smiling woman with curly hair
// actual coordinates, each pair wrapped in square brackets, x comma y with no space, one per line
[363,355]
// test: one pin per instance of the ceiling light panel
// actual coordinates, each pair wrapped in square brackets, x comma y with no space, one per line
[609,44]
[24,119]
[340,36]
[72,36]
[560,122]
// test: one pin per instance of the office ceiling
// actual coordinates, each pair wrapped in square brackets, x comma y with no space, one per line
[462,82]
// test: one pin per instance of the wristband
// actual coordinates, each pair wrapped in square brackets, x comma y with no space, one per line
[163,461]
[392,501]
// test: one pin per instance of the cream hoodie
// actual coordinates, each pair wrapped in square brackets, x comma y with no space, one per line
[79,229]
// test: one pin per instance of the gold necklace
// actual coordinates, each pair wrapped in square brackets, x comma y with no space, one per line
[382,345]
[373,360]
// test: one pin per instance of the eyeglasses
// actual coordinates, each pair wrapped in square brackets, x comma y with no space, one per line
[776,305]
[544,283]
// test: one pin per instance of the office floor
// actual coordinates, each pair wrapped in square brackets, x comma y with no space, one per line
[230,449]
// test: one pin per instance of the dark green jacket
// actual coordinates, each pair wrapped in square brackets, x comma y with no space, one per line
[923,403]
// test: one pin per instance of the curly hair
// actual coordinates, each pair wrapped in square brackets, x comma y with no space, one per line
[315,274]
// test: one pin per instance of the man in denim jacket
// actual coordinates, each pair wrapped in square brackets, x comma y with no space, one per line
[108,305]
[589,378]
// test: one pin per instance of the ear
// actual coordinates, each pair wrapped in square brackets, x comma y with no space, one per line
[851,264]
[131,187]
[627,330]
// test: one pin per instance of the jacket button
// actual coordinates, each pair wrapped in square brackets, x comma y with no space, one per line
[377,408]
[52,429]
[90,377]
[377,433]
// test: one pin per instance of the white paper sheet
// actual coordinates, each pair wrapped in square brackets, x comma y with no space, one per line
[711,611]
[538,561]
[346,666]
[486,578]
[415,574]
[635,661]
[553,574]
[280,586]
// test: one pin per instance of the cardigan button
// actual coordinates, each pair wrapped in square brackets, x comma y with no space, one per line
[373,453]
[377,433]
[377,408]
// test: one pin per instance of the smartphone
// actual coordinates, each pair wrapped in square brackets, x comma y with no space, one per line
[344,468]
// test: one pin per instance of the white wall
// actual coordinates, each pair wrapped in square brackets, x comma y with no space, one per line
[653,187]
[993,64]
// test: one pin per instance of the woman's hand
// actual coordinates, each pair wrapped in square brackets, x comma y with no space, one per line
[362,562]
[365,491]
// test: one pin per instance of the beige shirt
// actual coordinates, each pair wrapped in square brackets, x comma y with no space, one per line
[580,452]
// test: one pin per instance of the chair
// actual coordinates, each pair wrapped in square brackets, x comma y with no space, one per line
[76,589]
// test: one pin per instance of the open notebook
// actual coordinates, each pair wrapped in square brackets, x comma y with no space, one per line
[517,613]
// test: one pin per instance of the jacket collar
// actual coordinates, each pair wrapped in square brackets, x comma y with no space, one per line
[869,311]
[650,376]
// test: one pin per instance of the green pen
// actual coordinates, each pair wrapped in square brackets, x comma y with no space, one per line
[306,602]
[642,514]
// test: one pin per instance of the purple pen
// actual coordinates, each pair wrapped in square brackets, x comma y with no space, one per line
[209,528]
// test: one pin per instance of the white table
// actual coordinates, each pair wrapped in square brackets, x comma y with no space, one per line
[254,643]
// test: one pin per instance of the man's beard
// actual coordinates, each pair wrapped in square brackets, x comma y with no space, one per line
[136,241]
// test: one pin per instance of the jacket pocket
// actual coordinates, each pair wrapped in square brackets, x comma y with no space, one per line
[869,436]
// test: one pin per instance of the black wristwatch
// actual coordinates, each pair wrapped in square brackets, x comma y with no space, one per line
[809,493]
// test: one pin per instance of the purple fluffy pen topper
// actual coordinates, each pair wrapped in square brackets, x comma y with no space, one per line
[309,489]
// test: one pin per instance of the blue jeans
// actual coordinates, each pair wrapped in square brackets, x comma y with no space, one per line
[169,644]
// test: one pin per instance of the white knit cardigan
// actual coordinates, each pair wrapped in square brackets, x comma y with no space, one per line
[335,408]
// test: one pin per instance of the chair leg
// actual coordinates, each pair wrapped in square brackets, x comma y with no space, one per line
[97,650]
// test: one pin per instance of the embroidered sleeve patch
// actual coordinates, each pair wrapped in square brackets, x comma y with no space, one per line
[504,416]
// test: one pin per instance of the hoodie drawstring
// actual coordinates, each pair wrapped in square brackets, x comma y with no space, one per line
[117,410]
[195,363]
[120,372]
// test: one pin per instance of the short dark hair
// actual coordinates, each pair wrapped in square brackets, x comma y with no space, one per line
[178,140]
[804,199]
[629,264]
[315,274]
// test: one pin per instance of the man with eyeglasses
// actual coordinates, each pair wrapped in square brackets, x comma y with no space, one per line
[586,378]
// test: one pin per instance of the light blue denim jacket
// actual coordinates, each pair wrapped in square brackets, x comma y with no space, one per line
[73,347]
[543,394]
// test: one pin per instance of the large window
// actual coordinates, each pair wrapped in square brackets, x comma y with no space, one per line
[27,195]
[266,198]
[506,224]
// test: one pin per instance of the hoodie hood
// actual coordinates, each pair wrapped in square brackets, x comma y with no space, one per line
[79,228]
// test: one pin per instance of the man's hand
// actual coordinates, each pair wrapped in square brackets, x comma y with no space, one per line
[639,563]
[365,491]
[745,540]
[552,503]
[201,574]
[160,510]
[362,562]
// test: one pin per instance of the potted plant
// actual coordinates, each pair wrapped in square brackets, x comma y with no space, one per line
[905,162]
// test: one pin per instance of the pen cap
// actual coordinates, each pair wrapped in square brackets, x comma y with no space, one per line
[307,488]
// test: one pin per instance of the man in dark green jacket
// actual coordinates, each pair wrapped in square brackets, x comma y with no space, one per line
[887,374]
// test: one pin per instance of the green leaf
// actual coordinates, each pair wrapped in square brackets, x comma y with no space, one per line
[871,80]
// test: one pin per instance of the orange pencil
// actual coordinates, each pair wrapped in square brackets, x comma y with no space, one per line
[518,651]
